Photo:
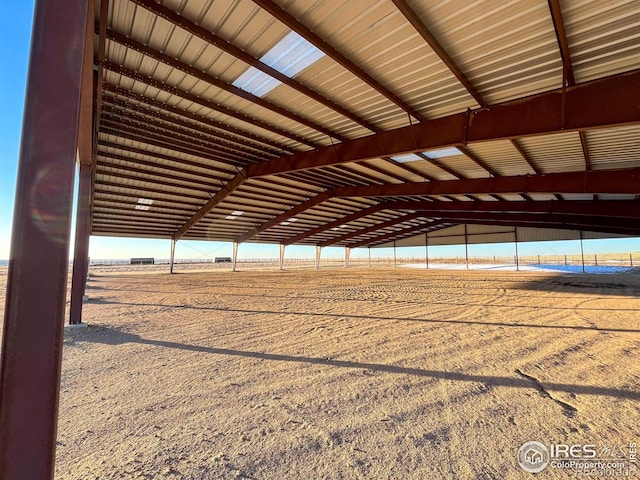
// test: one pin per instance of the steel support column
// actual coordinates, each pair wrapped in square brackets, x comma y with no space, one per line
[466,247]
[34,315]
[234,258]
[515,236]
[426,248]
[369,262]
[81,247]
[582,250]
[318,252]
[172,254]
[347,256]
[281,261]
[395,258]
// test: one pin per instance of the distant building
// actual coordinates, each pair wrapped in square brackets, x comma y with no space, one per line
[142,261]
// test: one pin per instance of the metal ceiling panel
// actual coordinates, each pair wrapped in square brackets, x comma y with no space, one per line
[603,37]
[561,152]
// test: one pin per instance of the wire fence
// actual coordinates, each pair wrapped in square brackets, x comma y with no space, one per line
[609,259]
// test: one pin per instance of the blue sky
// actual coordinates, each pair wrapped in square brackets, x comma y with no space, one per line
[15,33]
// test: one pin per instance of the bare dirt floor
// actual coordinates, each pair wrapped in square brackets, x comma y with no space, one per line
[358,373]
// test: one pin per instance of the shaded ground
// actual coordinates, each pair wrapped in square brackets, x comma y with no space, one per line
[345,373]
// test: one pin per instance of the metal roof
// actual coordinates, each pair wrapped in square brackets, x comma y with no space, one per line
[523,90]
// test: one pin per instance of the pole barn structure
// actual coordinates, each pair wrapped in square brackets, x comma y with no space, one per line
[352,124]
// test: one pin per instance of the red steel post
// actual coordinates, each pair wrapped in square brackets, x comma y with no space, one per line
[39,259]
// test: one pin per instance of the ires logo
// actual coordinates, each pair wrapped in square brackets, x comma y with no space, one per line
[534,457]
[560,451]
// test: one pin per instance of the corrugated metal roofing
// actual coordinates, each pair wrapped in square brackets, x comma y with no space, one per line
[174,129]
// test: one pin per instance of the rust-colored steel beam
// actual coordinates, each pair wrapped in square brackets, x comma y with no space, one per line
[600,103]
[223,193]
[167,134]
[561,36]
[439,50]
[238,135]
[116,130]
[567,65]
[625,181]
[400,234]
[605,208]
[131,110]
[107,158]
[126,148]
[225,46]
[600,181]
[526,157]
[341,221]
[585,150]
[312,202]
[172,130]
[535,219]
[609,209]
[290,21]
[446,222]
[373,228]
[81,246]
[39,259]
[421,28]
[216,82]
[533,224]
[151,82]
[152,177]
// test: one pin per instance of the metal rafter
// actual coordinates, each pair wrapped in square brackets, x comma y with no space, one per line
[243,137]
[240,54]
[600,103]
[608,209]
[373,228]
[172,136]
[568,75]
[211,80]
[290,21]
[593,104]
[157,84]
[130,110]
[428,226]
[439,50]
[626,181]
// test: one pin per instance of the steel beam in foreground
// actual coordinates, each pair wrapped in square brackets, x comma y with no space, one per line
[36,283]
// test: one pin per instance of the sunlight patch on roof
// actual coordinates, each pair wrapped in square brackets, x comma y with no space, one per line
[289,56]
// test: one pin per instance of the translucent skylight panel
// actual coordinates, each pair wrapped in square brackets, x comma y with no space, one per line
[289,56]
[443,152]
[407,157]
[234,215]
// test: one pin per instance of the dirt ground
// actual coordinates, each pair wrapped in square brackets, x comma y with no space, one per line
[358,373]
